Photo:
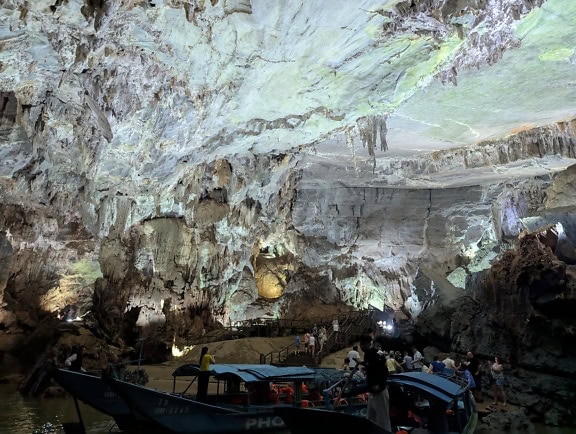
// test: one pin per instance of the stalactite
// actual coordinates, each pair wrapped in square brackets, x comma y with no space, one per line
[372,128]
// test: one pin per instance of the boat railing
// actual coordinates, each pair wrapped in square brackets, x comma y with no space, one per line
[346,391]
[120,370]
[454,378]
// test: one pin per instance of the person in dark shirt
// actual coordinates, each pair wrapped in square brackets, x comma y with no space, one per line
[376,377]
[437,365]
[475,369]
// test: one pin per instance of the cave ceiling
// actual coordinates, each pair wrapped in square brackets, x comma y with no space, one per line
[109,107]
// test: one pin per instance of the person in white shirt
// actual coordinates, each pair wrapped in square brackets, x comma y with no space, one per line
[322,338]
[354,357]
[407,364]
[312,345]
[450,364]
[336,329]
[418,360]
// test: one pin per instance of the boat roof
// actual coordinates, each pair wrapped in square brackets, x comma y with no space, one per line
[250,373]
[437,386]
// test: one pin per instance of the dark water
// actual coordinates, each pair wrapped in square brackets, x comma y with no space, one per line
[20,415]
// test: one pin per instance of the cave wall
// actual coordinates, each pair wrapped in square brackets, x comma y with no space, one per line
[391,234]
[521,310]
[172,175]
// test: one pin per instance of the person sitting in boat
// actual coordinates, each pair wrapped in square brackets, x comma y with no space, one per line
[74,362]
[314,395]
[273,397]
[259,393]
[288,393]
[359,374]
[204,374]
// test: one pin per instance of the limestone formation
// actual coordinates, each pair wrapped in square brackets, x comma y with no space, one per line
[168,166]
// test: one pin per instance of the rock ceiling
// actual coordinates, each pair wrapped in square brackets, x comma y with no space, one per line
[208,152]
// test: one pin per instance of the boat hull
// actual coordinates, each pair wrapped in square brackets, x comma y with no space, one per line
[94,392]
[304,420]
[182,415]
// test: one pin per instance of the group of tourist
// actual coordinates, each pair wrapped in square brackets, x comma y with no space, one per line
[471,368]
[314,341]
[395,361]
[378,363]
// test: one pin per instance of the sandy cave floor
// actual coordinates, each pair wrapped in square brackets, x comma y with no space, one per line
[246,350]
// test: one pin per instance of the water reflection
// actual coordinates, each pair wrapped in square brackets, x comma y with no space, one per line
[20,415]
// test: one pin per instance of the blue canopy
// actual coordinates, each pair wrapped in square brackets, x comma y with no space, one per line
[435,385]
[250,373]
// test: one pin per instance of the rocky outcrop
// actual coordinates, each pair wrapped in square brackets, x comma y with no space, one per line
[506,422]
[520,312]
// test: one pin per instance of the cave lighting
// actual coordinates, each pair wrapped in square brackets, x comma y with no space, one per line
[177,352]
[269,286]
[385,326]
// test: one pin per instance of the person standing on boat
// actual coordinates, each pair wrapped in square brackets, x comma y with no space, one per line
[376,377]
[204,374]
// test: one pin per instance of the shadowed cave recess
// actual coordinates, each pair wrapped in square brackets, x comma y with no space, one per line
[173,166]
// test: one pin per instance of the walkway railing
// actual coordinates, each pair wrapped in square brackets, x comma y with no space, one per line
[349,324]
[265,327]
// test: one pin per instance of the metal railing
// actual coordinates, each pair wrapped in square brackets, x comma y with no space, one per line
[347,322]
[266,326]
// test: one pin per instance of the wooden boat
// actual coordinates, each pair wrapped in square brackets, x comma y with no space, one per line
[241,402]
[420,403]
[92,391]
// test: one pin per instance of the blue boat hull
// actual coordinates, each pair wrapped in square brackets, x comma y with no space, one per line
[182,415]
[304,420]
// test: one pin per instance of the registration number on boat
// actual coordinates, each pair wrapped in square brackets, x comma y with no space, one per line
[163,407]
